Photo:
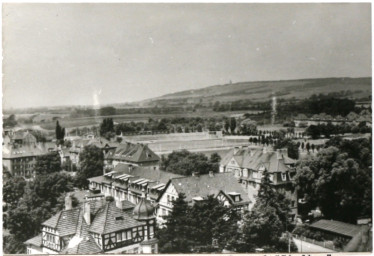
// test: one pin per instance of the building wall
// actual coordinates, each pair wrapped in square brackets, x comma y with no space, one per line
[32,249]
[165,202]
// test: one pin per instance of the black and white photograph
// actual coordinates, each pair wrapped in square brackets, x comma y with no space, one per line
[165,128]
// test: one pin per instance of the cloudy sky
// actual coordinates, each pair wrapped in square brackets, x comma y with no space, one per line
[68,54]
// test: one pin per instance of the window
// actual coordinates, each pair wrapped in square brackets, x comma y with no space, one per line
[271,177]
[163,212]
[136,250]
[119,237]
[254,175]
[129,235]
[168,199]
[284,176]
[151,230]
[153,248]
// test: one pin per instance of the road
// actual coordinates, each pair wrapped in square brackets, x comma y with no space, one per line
[303,246]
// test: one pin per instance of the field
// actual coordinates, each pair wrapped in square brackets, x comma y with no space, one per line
[164,144]
[95,121]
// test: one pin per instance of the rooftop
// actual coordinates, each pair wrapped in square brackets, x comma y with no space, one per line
[337,227]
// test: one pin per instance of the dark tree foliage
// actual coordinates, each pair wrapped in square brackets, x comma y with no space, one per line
[91,165]
[37,204]
[232,124]
[292,147]
[60,133]
[107,128]
[315,131]
[263,226]
[40,137]
[185,163]
[336,182]
[175,237]
[193,228]
[13,190]
[10,121]
[107,111]
[46,164]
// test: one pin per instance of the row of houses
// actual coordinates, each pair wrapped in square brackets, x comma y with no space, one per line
[352,118]
[21,150]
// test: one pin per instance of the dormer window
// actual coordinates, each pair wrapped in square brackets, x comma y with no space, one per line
[235,196]
[119,218]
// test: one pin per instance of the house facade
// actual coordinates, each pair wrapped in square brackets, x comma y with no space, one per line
[222,186]
[247,165]
[98,226]
[130,153]
[20,160]
[126,182]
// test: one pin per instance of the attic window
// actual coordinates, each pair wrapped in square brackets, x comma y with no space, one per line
[119,217]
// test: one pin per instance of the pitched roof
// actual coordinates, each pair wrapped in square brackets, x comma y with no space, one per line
[135,153]
[65,221]
[337,227]
[253,159]
[205,185]
[105,220]
[25,151]
[37,240]
[148,173]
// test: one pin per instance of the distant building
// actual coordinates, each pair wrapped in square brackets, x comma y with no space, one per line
[126,182]
[222,186]
[352,118]
[130,153]
[97,227]
[21,160]
[350,236]
[247,165]
[79,144]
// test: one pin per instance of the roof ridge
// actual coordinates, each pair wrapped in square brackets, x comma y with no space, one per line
[58,219]
[105,215]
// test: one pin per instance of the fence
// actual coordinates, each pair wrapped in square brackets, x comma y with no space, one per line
[325,244]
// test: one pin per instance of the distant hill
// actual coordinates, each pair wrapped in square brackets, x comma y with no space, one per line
[263,90]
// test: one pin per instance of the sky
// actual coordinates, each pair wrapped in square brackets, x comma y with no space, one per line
[93,54]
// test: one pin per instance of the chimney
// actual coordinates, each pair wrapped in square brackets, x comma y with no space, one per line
[87,213]
[279,154]
[119,204]
[68,202]
[211,174]
[250,151]
[236,150]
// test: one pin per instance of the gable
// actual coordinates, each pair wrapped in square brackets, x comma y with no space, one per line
[233,163]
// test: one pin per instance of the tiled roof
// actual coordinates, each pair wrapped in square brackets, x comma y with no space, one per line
[135,153]
[82,194]
[25,151]
[65,221]
[148,173]
[99,179]
[337,227]
[37,240]
[105,220]
[253,159]
[205,185]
